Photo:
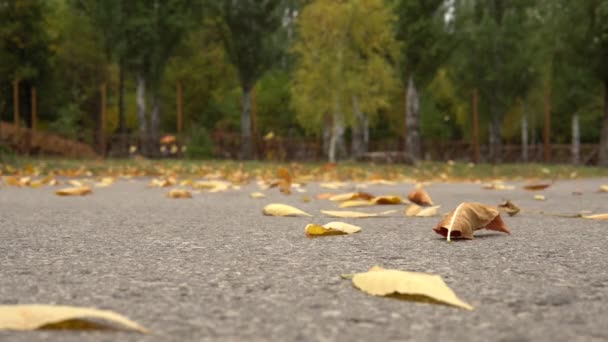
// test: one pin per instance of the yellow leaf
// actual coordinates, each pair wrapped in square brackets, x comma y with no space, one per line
[331,228]
[212,186]
[257,195]
[31,317]
[419,211]
[351,196]
[354,214]
[596,217]
[179,193]
[333,185]
[355,203]
[75,191]
[539,197]
[604,188]
[76,183]
[413,286]
[283,210]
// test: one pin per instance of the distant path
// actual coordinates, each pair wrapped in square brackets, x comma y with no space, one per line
[26,140]
[213,268]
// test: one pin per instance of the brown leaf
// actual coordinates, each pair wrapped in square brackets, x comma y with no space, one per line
[284,180]
[351,196]
[384,200]
[420,197]
[179,193]
[509,208]
[469,217]
[75,191]
[537,186]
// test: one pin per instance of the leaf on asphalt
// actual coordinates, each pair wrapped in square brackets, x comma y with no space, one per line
[537,186]
[386,200]
[509,208]
[162,183]
[596,216]
[17,181]
[498,186]
[257,195]
[104,182]
[420,197]
[603,188]
[331,228]
[355,214]
[179,193]
[539,197]
[212,185]
[76,183]
[355,203]
[306,199]
[283,210]
[333,185]
[420,211]
[410,286]
[351,196]
[325,195]
[469,217]
[284,180]
[32,317]
[74,191]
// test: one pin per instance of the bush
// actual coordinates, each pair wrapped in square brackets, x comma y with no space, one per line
[200,145]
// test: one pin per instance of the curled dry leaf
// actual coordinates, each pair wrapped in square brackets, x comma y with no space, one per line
[420,197]
[469,217]
[509,208]
[386,200]
[32,317]
[283,210]
[331,228]
[537,186]
[179,193]
[596,217]
[284,180]
[351,196]
[411,286]
[419,211]
[603,188]
[354,214]
[257,195]
[355,203]
[74,191]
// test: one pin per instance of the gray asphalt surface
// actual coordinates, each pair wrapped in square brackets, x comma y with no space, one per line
[213,268]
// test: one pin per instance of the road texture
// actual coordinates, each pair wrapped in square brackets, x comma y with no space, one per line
[213,268]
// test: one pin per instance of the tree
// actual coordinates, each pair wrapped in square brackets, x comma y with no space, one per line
[343,70]
[249,32]
[422,30]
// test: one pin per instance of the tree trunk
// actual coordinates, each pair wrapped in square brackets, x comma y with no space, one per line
[603,153]
[246,151]
[524,135]
[412,114]
[576,140]
[495,137]
[155,118]
[121,99]
[336,143]
[141,112]
[327,125]
[357,130]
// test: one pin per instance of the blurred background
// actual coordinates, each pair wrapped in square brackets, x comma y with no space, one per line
[380,80]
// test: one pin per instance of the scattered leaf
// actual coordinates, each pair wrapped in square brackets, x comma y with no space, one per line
[603,188]
[351,196]
[283,210]
[32,317]
[385,200]
[354,214]
[306,199]
[420,197]
[257,195]
[596,216]
[469,217]
[498,186]
[212,185]
[539,197]
[509,208]
[419,211]
[355,203]
[284,180]
[324,196]
[537,186]
[179,193]
[331,228]
[411,286]
[333,185]
[75,191]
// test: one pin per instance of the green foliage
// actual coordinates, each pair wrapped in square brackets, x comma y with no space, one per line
[200,145]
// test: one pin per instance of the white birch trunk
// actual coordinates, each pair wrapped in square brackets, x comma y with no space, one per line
[412,115]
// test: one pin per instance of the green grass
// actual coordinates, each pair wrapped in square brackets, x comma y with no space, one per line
[343,171]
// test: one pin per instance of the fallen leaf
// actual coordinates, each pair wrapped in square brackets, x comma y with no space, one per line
[355,214]
[596,216]
[257,195]
[283,210]
[76,183]
[603,188]
[75,191]
[324,196]
[179,193]
[284,180]
[384,200]
[537,186]
[420,197]
[539,197]
[212,186]
[498,186]
[32,317]
[411,286]
[333,185]
[419,211]
[331,228]
[469,217]
[355,203]
[509,208]
[351,196]
[306,199]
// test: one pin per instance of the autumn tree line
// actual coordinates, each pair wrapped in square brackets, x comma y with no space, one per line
[345,73]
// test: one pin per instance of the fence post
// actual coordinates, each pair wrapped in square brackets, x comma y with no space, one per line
[476,154]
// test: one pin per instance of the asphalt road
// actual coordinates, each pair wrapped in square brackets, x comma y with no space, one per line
[213,268]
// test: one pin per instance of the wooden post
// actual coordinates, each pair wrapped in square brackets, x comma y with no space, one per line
[102,125]
[254,120]
[476,154]
[179,103]
[34,109]
[547,130]
[16,102]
